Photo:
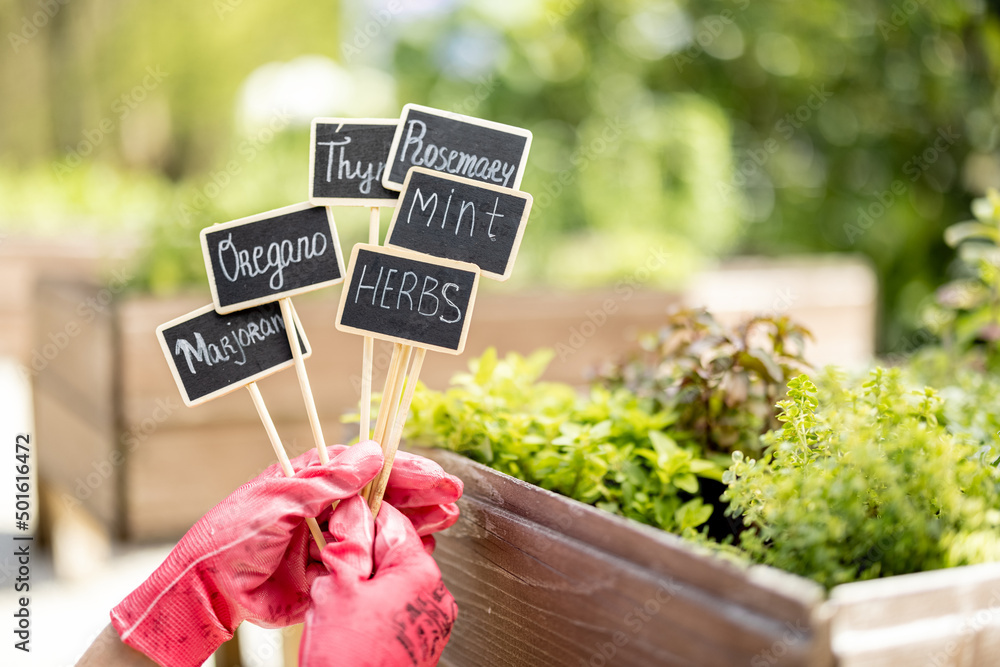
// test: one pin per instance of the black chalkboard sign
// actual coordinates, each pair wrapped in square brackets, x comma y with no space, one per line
[460,219]
[211,354]
[347,158]
[270,256]
[403,297]
[459,145]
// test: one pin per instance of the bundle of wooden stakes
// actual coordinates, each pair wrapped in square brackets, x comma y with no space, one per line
[458,214]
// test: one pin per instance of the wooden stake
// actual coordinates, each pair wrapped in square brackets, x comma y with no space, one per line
[396,434]
[384,405]
[397,391]
[369,350]
[300,371]
[279,451]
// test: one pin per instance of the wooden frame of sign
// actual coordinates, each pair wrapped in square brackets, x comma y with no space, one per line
[491,135]
[462,249]
[242,382]
[380,196]
[232,306]
[367,324]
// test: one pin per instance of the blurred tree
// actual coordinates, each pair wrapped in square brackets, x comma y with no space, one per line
[144,85]
[702,128]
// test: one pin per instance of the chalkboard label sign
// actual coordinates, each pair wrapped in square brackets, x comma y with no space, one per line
[347,158]
[211,354]
[270,256]
[458,145]
[460,219]
[403,297]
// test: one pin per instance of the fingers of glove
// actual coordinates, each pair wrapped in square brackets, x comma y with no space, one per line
[416,481]
[282,501]
[427,520]
[346,474]
[429,544]
[397,543]
[310,457]
[353,532]
[307,458]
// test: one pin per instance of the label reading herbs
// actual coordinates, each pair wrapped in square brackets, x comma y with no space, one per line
[398,296]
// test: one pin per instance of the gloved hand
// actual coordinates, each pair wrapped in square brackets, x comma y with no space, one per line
[249,557]
[400,615]
[418,487]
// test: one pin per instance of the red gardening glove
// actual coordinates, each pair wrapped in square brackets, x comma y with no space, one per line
[418,487]
[248,558]
[400,615]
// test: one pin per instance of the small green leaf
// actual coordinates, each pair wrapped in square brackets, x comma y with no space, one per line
[686,482]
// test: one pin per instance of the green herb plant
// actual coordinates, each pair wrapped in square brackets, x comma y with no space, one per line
[721,382]
[965,313]
[864,481]
[608,448]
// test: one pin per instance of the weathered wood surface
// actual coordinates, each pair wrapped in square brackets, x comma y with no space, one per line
[74,400]
[946,618]
[26,261]
[544,580]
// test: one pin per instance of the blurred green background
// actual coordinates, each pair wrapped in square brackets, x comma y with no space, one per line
[710,128]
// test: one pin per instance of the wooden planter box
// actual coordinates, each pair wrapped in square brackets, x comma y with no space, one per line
[544,580]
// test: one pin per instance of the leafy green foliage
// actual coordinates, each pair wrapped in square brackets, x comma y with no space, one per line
[969,393]
[609,448]
[864,481]
[722,382]
[966,311]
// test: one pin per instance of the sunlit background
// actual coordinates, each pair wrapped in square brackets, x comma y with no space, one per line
[715,128]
